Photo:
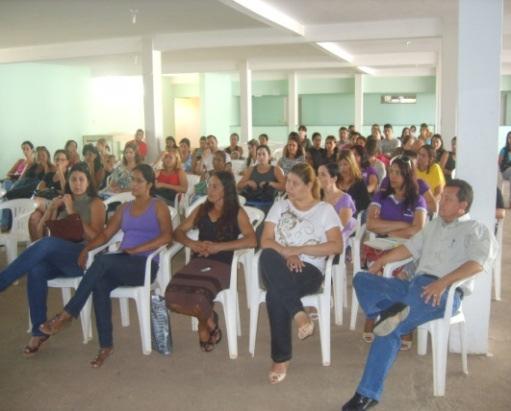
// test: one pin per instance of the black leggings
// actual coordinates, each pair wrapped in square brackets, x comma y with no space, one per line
[284,289]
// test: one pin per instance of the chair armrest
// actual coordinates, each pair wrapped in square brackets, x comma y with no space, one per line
[92,253]
[327,282]
[147,279]
[390,267]
[450,295]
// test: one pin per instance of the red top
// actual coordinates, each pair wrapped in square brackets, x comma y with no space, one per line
[168,178]
[141,147]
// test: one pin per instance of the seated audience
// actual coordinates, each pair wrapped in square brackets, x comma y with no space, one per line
[299,233]
[93,160]
[328,175]
[139,142]
[389,143]
[350,180]
[450,248]
[234,150]
[330,150]
[304,142]
[448,161]
[208,155]
[292,154]
[220,220]
[251,160]
[72,152]
[171,179]
[53,256]
[263,139]
[103,150]
[369,174]
[119,180]
[146,226]
[505,158]
[373,152]
[429,171]
[316,152]
[260,183]
[19,167]
[438,144]
[186,155]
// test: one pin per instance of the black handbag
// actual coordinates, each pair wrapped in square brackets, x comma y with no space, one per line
[48,194]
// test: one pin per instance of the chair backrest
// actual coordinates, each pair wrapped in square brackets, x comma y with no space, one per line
[255,215]
[174,217]
[119,198]
[21,210]
[237,166]
[277,154]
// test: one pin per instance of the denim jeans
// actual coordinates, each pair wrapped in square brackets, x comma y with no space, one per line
[284,289]
[108,272]
[47,258]
[376,294]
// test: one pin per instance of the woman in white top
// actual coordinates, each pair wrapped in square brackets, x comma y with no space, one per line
[299,233]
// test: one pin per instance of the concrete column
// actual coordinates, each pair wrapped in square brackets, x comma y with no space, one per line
[151,73]
[359,102]
[438,97]
[292,102]
[479,56]
[245,103]
[449,79]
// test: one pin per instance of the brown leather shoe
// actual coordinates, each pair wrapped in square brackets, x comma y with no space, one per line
[57,323]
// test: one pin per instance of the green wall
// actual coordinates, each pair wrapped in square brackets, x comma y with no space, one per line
[46,104]
[215,97]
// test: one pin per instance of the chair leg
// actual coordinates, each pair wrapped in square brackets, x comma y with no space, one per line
[238,318]
[195,324]
[125,312]
[463,346]
[439,347]
[11,250]
[354,310]
[144,321]
[324,330]
[85,319]
[230,324]
[422,340]
[66,295]
[254,316]
[338,293]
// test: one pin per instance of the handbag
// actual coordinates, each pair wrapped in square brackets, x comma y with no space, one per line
[161,336]
[48,194]
[68,228]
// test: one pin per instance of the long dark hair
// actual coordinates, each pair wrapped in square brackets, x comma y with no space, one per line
[293,136]
[97,161]
[411,188]
[361,152]
[148,174]
[228,221]
[430,150]
[82,167]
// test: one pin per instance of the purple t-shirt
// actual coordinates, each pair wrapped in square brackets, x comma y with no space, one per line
[393,210]
[368,172]
[423,186]
[347,202]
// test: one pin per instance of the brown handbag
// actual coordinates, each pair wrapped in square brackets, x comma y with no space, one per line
[69,228]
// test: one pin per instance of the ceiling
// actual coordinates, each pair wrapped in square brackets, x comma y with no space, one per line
[390,37]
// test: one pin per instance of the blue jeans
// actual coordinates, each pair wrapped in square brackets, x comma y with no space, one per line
[107,272]
[48,258]
[376,294]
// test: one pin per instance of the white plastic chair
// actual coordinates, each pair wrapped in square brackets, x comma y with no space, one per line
[229,297]
[356,247]
[183,199]
[238,166]
[21,210]
[497,264]
[320,301]
[439,330]
[141,295]
[119,198]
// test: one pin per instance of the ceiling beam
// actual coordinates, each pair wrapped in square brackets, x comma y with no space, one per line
[266,14]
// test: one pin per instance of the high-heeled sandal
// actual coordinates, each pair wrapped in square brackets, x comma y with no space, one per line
[56,324]
[30,350]
[307,329]
[367,337]
[103,354]
[277,377]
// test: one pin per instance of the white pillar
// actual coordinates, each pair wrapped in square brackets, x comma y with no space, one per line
[359,102]
[292,102]
[438,98]
[449,79]
[151,73]
[245,102]
[479,46]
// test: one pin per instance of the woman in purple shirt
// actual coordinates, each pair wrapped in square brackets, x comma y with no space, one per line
[400,211]
[328,174]
[146,224]
[369,173]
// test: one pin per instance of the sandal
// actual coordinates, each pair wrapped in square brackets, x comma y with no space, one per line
[306,329]
[206,346]
[406,345]
[215,335]
[277,377]
[103,354]
[56,324]
[30,350]
[368,337]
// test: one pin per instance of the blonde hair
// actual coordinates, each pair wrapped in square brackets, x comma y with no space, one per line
[349,157]
[306,173]
[178,163]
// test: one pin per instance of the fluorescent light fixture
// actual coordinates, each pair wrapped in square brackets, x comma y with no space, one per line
[334,49]
[267,13]
[367,70]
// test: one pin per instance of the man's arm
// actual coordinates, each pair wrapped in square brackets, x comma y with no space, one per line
[433,292]
[398,253]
